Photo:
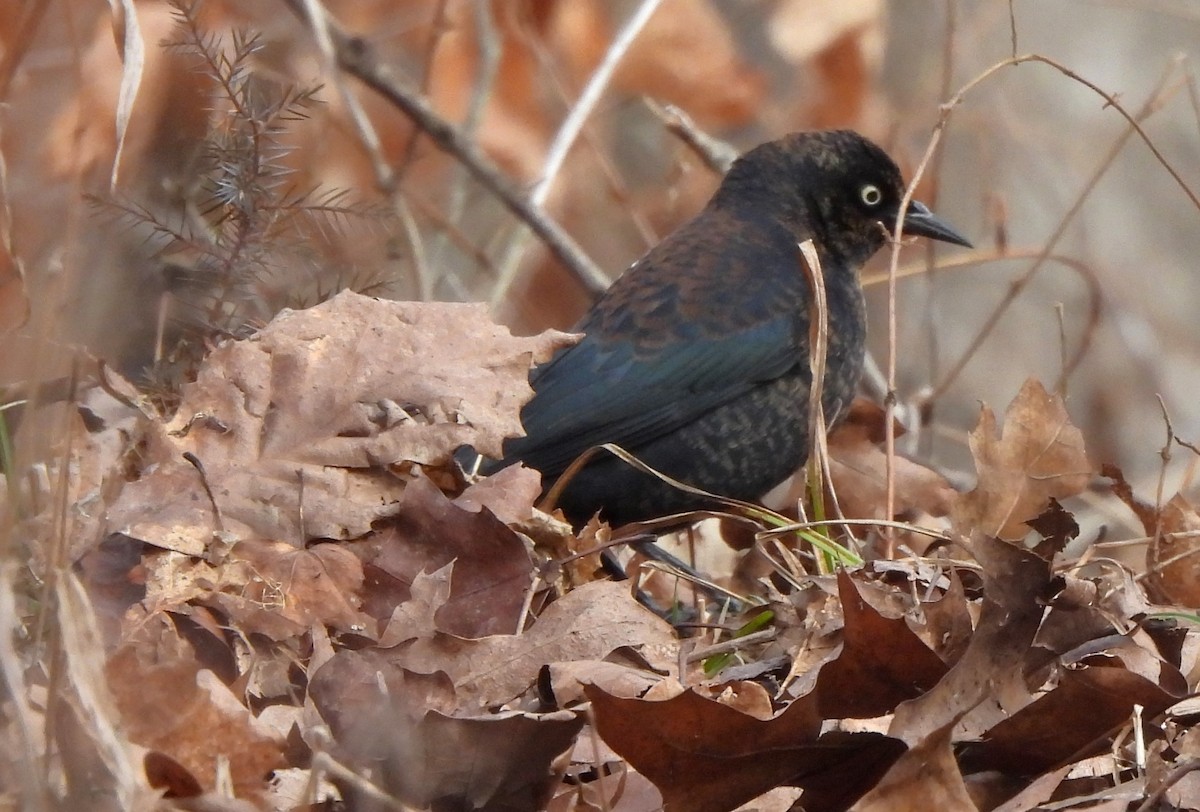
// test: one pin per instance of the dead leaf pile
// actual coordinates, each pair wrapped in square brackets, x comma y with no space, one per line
[301,600]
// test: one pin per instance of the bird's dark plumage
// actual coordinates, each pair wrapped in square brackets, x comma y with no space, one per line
[696,360]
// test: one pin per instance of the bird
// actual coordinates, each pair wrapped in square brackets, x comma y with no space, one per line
[696,359]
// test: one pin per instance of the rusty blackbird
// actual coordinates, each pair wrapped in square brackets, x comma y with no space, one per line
[696,360]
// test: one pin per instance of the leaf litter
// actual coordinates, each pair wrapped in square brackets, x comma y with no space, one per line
[313,603]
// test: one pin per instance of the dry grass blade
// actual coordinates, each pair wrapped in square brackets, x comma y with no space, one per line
[740,508]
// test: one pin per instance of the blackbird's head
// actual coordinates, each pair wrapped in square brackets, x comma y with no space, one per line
[836,187]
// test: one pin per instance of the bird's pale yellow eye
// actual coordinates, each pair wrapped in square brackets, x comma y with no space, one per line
[870,194]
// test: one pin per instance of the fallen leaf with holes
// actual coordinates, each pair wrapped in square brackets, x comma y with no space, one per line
[284,591]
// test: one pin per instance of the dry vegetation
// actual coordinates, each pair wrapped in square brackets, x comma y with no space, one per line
[242,571]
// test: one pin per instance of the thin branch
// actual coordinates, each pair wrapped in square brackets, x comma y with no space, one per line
[548,63]
[367,135]
[590,96]
[488,46]
[873,379]
[935,138]
[438,29]
[716,154]
[19,41]
[1182,769]
[568,133]
[1012,27]
[356,57]
[932,300]
[1152,105]
[733,645]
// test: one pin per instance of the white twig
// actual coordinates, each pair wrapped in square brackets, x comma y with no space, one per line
[488,41]
[568,133]
[573,124]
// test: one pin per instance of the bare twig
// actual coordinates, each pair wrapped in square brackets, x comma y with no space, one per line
[617,187]
[24,720]
[438,29]
[416,247]
[818,337]
[933,346]
[819,478]
[1012,27]
[1060,311]
[732,645]
[325,763]
[590,96]
[18,42]
[889,523]
[488,45]
[568,133]
[935,138]
[1151,106]
[384,176]
[873,378]
[212,500]
[535,582]
[1193,91]
[716,154]
[1181,770]
[355,56]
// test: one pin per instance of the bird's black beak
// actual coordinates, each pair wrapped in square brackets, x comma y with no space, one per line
[919,221]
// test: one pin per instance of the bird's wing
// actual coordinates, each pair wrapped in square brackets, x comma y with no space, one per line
[606,392]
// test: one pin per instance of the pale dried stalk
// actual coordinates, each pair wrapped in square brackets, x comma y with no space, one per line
[568,133]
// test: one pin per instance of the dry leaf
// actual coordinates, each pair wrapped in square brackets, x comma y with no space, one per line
[588,623]
[882,662]
[1039,456]
[492,574]
[925,777]
[509,494]
[705,756]
[1173,555]
[183,712]
[286,591]
[991,668]
[858,466]
[425,755]
[314,407]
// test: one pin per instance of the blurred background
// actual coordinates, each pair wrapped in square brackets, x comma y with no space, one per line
[144,272]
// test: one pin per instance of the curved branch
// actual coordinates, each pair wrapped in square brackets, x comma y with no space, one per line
[356,57]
